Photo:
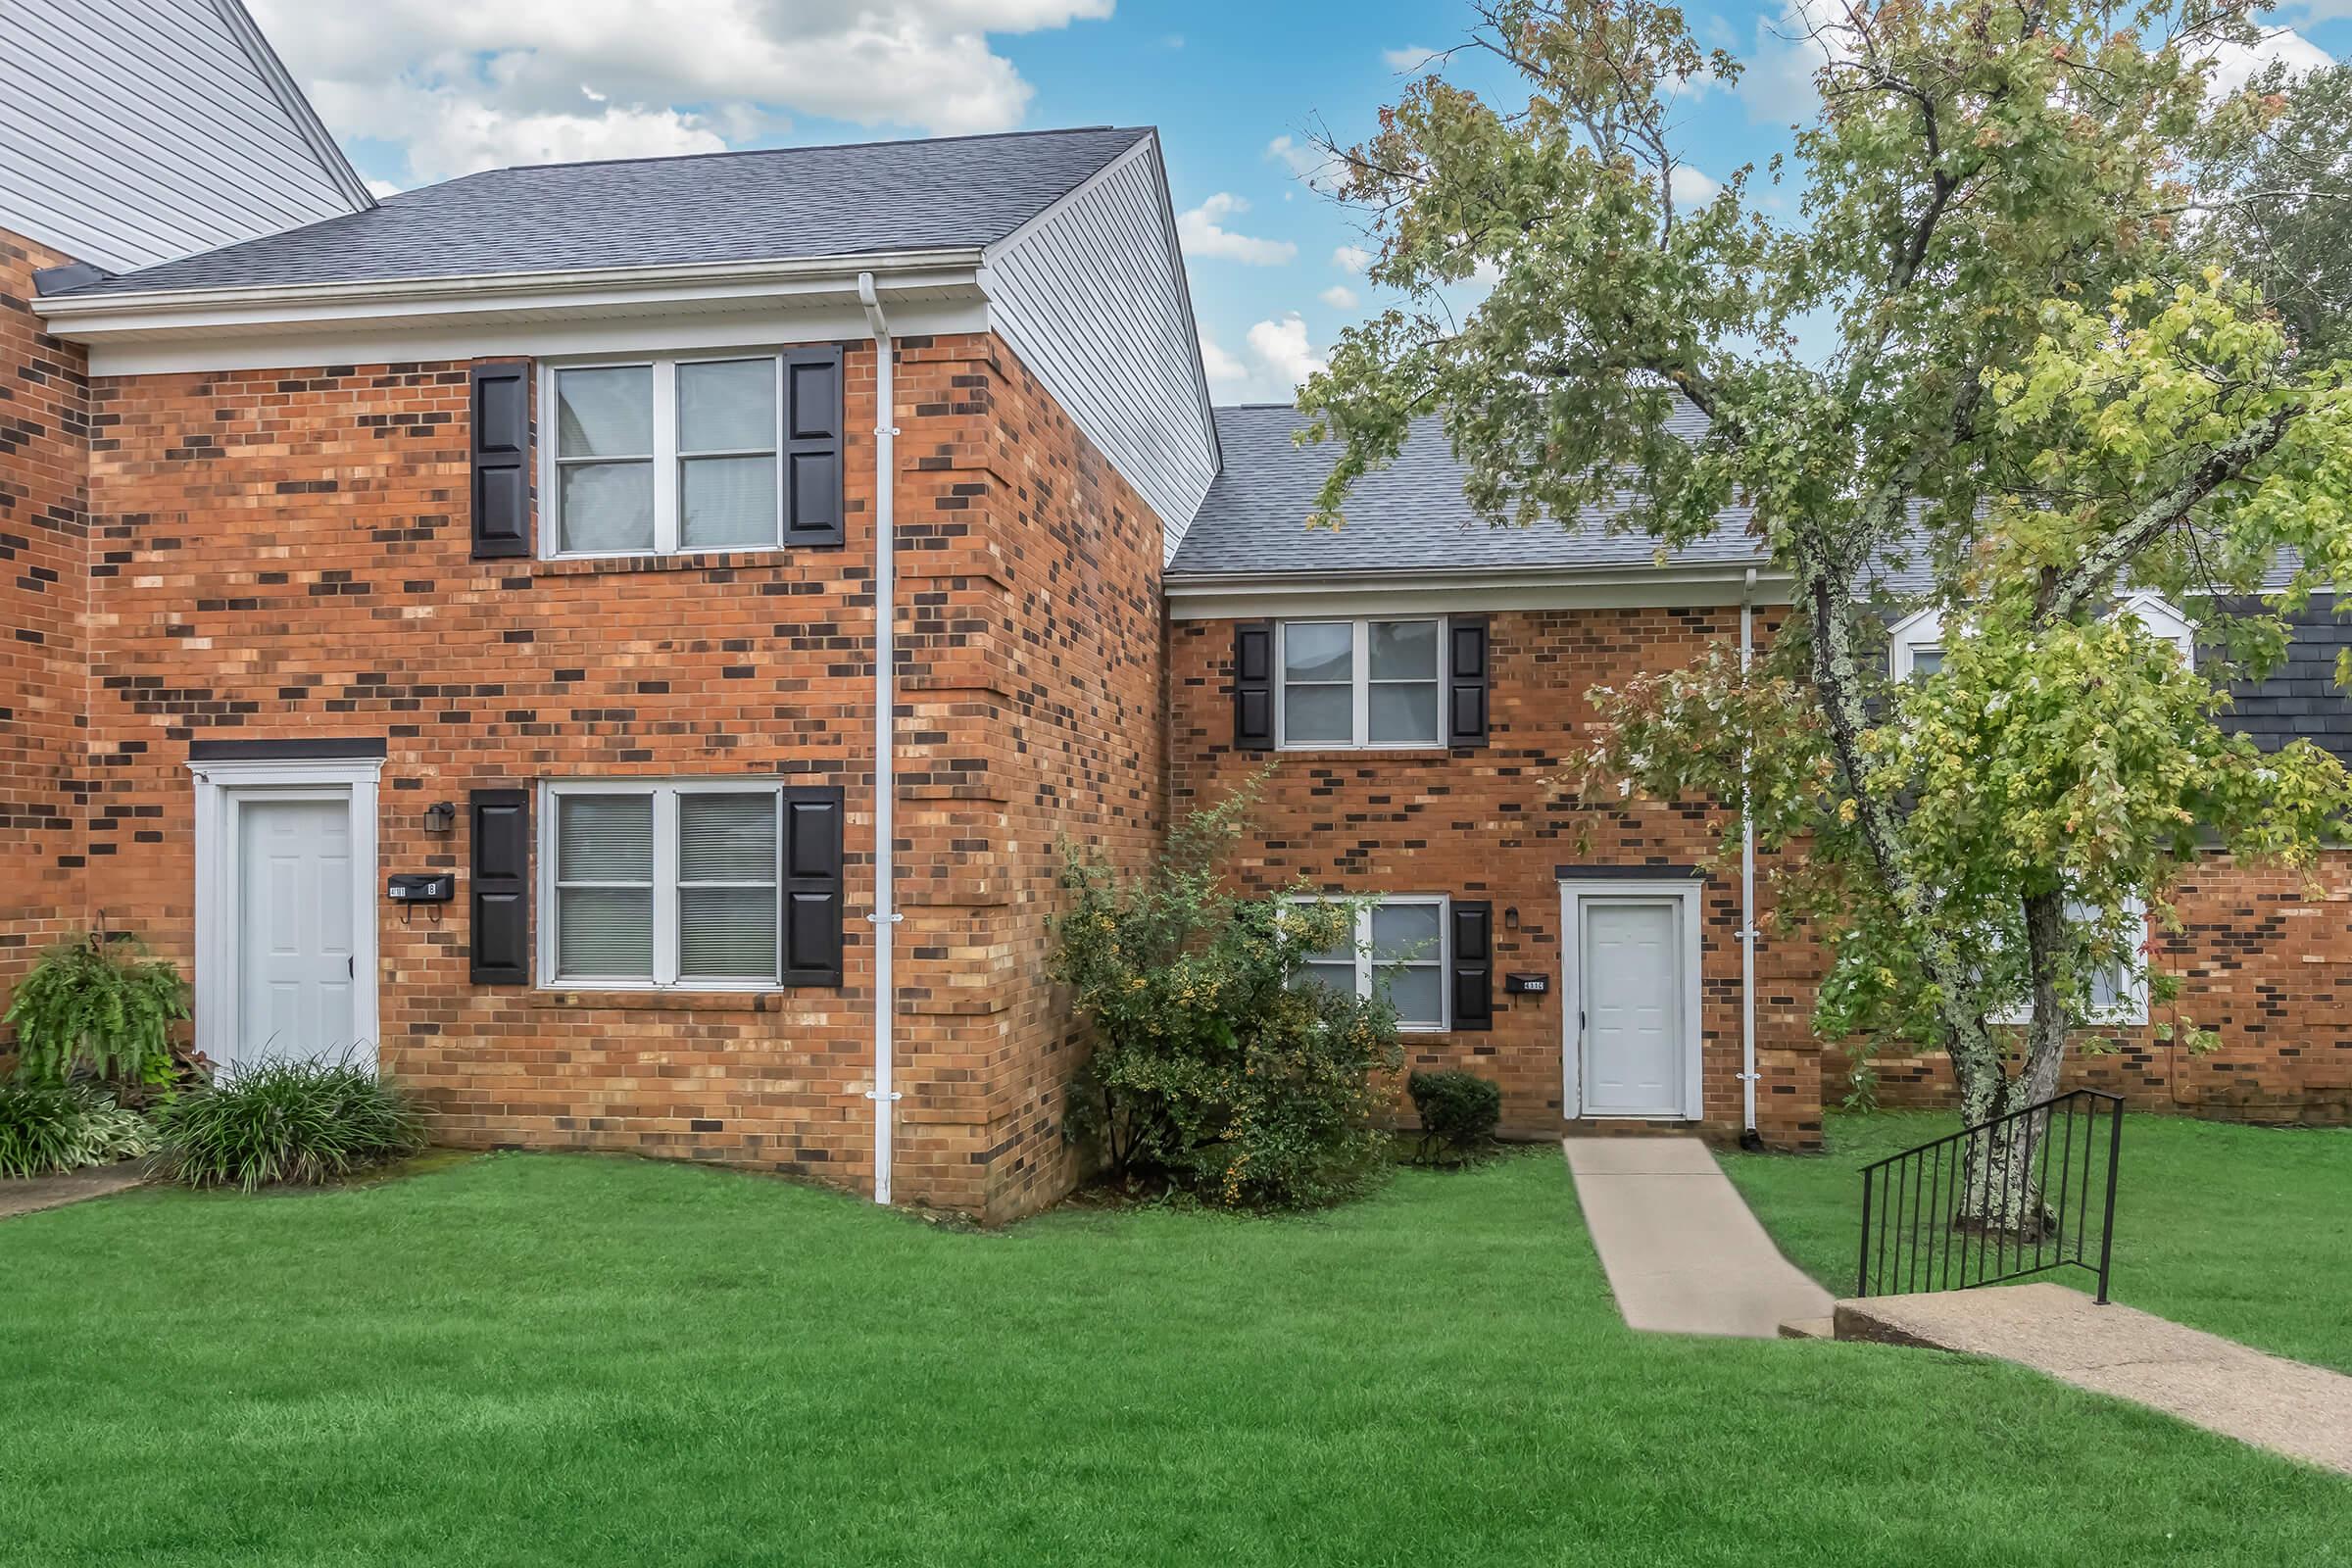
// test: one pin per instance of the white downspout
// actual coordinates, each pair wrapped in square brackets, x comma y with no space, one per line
[885,916]
[1747,893]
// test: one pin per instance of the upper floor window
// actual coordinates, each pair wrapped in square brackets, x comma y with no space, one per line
[1914,644]
[2118,990]
[667,454]
[1361,683]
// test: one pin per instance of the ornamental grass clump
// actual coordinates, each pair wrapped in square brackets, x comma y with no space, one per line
[1217,1072]
[48,1129]
[291,1122]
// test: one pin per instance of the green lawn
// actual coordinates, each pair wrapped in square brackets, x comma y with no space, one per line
[2245,1231]
[543,1359]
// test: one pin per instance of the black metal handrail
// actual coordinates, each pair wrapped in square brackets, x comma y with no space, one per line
[1975,1208]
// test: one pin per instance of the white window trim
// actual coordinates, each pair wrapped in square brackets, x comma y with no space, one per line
[1442,962]
[666,460]
[1923,630]
[666,792]
[2131,1010]
[222,786]
[1360,670]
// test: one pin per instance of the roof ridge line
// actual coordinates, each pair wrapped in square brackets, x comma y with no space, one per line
[813,147]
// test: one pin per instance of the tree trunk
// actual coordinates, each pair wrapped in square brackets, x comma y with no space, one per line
[2002,1192]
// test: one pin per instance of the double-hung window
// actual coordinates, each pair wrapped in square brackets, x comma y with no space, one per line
[1361,683]
[2118,992]
[664,885]
[1399,950]
[666,455]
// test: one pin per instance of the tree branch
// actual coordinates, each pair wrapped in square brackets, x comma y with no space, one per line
[2068,592]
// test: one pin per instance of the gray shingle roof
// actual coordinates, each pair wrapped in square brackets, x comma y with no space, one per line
[778,205]
[1408,516]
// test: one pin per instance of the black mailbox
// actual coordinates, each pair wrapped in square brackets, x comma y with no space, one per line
[1526,985]
[422,888]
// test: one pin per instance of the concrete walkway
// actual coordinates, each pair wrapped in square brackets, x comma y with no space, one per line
[2289,1408]
[26,1195]
[1683,1253]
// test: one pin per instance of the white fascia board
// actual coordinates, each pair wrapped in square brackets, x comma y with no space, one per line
[638,310]
[90,318]
[632,331]
[1228,596]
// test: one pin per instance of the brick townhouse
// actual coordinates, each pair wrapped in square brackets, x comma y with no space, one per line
[455,627]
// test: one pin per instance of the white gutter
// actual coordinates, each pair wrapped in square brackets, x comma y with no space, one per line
[1197,584]
[1748,892]
[885,918]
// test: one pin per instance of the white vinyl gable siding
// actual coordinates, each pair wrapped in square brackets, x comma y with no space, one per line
[133,131]
[1091,296]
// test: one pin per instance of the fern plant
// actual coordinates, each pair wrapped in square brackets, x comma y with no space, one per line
[107,1005]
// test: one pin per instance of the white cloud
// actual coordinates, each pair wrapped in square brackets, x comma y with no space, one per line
[1280,347]
[1303,159]
[1412,57]
[1204,234]
[472,86]
[2235,63]
[1222,368]
[382,188]
[1777,86]
[1689,188]
[1351,258]
[1274,358]
[1340,297]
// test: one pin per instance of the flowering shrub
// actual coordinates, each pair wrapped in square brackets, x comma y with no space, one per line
[1216,1071]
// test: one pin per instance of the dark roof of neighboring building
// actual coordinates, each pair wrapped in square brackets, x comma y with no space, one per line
[778,205]
[1407,516]
[2300,699]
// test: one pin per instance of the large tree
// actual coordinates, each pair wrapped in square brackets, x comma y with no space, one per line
[2289,226]
[2042,387]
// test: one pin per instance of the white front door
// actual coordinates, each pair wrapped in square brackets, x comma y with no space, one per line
[1631,990]
[298,976]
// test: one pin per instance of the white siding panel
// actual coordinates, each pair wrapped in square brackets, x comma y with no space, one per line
[1090,297]
[133,131]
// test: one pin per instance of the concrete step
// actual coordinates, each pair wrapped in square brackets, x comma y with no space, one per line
[1810,1328]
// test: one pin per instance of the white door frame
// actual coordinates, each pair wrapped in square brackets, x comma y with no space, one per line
[1575,893]
[223,786]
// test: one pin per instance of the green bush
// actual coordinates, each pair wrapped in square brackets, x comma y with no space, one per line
[1215,1072]
[286,1121]
[1458,1111]
[50,1128]
[97,1005]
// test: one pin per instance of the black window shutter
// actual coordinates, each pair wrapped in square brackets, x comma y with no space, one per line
[813,891]
[813,445]
[1466,681]
[1254,685]
[502,460]
[501,887]
[1472,964]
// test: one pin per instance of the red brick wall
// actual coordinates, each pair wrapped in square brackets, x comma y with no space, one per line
[44,459]
[287,553]
[1498,822]
[2265,960]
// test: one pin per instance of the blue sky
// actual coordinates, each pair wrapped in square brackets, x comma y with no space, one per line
[419,91]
